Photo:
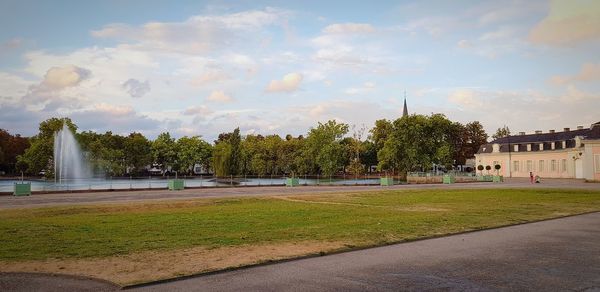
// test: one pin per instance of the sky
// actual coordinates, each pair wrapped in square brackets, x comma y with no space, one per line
[279,67]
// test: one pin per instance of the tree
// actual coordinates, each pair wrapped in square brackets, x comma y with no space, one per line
[501,133]
[164,151]
[191,151]
[221,159]
[417,142]
[39,155]
[381,131]
[472,137]
[138,152]
[235,141]
[10,148]
[324,148]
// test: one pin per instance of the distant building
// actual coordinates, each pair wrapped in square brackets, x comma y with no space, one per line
[566,154]
[405,110]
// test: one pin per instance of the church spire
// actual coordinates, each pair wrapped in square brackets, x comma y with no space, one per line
[405,111]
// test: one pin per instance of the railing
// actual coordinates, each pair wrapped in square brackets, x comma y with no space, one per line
[200,181]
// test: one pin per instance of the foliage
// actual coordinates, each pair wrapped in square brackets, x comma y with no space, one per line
[191,151]
[10,148]
[38,156]
[501,133]
[221,159]
[417,142]
[164,151]
[324,148]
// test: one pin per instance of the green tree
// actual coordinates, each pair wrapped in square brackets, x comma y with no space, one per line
[417,142]
[324,148]
[379,133]
[138,152]
[192,150]
[501,133]
[235,141]
[164,151]
[38,157]
[221,159]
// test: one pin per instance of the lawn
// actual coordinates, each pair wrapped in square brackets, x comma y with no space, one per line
[357,219]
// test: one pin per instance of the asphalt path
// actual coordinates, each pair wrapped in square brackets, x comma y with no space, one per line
[555,255]
[109,197]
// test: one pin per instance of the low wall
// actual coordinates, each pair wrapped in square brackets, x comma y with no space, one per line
[437,179]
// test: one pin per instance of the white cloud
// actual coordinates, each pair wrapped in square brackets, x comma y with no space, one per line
[219,96]
[198,110]
[466,98]
[568,23]
[210,77]
[289,83]
[198,34]
[345,28]
[115,110]
[464,44]
[589,72]
[58,78]
[367,87]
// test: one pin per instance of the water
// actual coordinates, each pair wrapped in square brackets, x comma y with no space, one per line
[161,183]
[69,163]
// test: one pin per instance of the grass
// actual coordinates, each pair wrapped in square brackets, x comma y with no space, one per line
[358,219]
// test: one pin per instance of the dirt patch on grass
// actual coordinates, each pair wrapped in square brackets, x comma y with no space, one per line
[407,209]
[154,265]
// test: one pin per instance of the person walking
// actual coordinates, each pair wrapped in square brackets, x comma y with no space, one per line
[531,177]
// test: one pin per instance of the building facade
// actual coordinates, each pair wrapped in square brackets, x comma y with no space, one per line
[566,154]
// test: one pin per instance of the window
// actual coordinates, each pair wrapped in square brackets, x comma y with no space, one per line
[515,166]
[541,164]
[553,165]
[597,162]
[529,165]
[563,165]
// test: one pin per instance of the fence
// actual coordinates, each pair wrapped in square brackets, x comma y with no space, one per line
[201,181]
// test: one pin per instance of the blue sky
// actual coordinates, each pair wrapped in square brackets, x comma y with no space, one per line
[201,68]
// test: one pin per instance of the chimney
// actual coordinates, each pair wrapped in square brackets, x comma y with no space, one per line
[522,133]
[579,127]
[538,132]
[551,131]
[567,129]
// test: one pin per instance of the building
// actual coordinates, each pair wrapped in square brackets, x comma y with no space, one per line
[566,154]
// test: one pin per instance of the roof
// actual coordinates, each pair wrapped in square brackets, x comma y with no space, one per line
[545,139]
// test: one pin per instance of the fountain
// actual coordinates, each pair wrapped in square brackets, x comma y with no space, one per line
[68,160]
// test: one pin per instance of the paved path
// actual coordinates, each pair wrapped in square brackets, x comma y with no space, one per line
[58,199]
[555,255]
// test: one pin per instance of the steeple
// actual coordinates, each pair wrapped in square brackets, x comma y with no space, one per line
[405,111]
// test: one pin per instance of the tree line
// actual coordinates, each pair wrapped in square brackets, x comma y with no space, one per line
[410,143]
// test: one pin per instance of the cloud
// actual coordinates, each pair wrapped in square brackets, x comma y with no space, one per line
[349,28]
[367,87]
[466,98]
[210,77]
[568,23]
[118,119]
[11,44]
[464,44]
[219,96]
[58,78]
[135,88]
[197,110]
[198,34]
[589,72]
[289,83]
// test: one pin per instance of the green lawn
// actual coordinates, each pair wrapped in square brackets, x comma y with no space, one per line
[358,219]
